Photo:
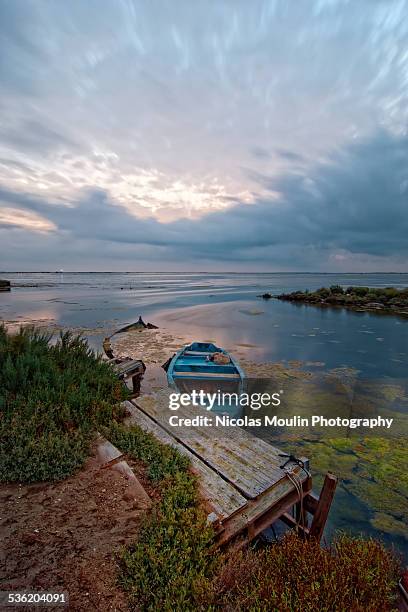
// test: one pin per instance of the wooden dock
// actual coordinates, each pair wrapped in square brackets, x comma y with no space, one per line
[242,481]
[126,368]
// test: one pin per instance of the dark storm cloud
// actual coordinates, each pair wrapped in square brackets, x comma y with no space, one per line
[21,200]
[356,202]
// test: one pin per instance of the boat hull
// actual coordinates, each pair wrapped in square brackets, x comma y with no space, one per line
[193,369]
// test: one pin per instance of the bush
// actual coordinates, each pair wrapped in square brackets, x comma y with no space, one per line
[161,460]
[172,560]
[53,397]
[337,289]
[352,296]
[323,292]
[391,292]
[353,574]
[359,291]
[372,296]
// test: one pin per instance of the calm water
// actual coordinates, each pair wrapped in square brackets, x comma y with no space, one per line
[225,308]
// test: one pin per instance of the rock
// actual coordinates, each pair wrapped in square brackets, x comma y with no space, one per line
[5,285]
[30,538]
[266,296]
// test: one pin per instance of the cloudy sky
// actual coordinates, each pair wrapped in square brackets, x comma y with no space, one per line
[207,135]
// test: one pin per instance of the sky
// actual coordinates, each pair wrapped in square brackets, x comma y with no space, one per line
[209,135]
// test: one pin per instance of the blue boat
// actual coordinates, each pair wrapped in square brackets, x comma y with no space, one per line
[205,366]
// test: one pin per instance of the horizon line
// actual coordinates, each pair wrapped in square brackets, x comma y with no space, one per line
[188,272]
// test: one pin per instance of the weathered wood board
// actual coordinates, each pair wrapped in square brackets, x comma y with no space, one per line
[250,464]
[222,497]
[240,476]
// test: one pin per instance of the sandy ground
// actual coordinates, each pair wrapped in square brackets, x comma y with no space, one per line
[66,536]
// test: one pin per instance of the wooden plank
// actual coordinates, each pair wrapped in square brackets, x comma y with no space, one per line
[291,522]
[238,514]
[243,469]
[248,463]
[128,367]
[265,510]
[323,507]
[311,502]
[160,403]
[224,499]
[106,452]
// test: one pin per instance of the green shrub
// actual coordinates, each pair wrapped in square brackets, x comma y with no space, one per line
[352,296]
[161,460]
[360,291]
[391,292]
[372,296]
[172,560]
[338,289]
[53,397]
[323,292]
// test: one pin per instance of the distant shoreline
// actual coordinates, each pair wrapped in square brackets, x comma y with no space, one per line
[314,273]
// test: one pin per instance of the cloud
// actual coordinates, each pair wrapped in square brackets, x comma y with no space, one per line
[290,156]
[260,153]
[352,207]
[15,217]
[265,134]
[30,135]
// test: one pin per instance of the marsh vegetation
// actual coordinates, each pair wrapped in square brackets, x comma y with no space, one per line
[54,394]
[388,299]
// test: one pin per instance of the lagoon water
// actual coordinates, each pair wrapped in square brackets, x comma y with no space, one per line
[224,308]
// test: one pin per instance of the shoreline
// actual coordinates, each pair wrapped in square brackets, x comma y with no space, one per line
[352,308]
[389,301]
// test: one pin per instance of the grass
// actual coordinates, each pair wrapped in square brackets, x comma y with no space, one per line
[172,559]
[53,397]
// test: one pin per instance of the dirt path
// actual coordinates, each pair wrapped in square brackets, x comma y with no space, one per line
[65,536]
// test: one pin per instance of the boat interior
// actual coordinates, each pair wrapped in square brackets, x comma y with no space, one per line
[195,362]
